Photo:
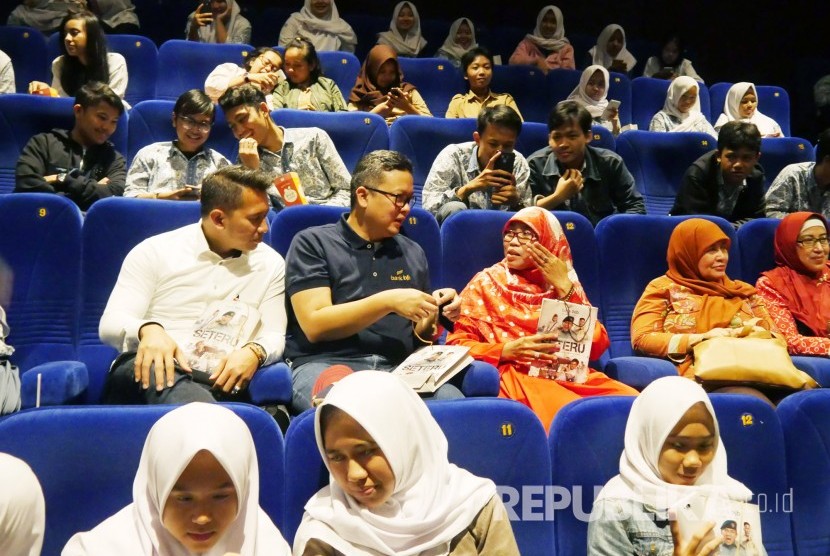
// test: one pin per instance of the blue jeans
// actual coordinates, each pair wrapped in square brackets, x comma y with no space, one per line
[304,376]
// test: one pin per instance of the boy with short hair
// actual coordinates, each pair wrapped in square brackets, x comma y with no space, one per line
[804,186]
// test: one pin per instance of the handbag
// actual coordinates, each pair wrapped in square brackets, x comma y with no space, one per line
[757,359]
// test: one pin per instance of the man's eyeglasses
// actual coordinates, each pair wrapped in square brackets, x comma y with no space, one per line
[400,200]
[190,123]
[524,236]
[810,242]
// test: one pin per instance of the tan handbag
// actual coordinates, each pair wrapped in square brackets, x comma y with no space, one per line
[757,359]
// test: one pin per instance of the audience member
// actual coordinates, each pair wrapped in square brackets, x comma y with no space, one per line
[570,174]
[669,63]
[500,310]
[461,38]
[673,451]
[358,288]
[797,291]
[477,66]
[264,145]
[22,509]
[80,164]
[404,34]
[392,489]
[727,182]
[174,170]
[592,93]
[546,47]
[196,491]
[305,87]
[156,310]
[84,58]
[43,15]
[261,68]
[741,104]
[804,186]
[485,173]
[7,82]
[681,111]
[320,22]
[380,88]
[218,21]
[117,16]
[610,51]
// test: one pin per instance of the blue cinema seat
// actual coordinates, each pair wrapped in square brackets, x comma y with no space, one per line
[342,67]
[86,459]
[436,79]
[26,46]
[773,101]
[778,152]
[619,88]
[534,136]
[587,438]
[527,86]
[184,65]
[648,95]
[506,444]
[560,82]
[658,161]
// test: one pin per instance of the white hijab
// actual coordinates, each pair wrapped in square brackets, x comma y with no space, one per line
[655,412]
[170,446]
[599,53]
[732,110]
[207,33]
[679,87]
[453,48]
[328,33]
[22,509]
[558,40]
[413,42]
[594,107]
[433,500]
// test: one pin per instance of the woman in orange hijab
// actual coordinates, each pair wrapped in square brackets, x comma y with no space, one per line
[797,291]
[500,310]
[695,300]
[380,88]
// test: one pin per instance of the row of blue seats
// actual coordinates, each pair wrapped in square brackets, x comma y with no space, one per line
[656,160]
[86,458]
[185,65]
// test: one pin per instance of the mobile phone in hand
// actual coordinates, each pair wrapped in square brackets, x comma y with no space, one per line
[201,377]
[505,161]
[613,105]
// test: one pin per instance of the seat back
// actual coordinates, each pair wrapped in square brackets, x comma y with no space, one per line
[341,67]
[559,84]
[40,241]
[527,86]
[185,65]
[778,152]
[772,101]
[658,162]
[534,136]
[757,251]
[100,448]
[26,46]
[623,238]
[619,88]
[436,79]
[141,55]
[649,95]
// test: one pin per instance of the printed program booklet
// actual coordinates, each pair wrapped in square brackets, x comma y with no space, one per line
[222,328]
[737,523]
[574,326]
[431,366]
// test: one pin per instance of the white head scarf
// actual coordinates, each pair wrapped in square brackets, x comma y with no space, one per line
[599,53]
[558,40]
[655,412]
[22,509]
[207,33]
[679,87]
[413,42]
[595,107]
[732,110]
[329,33]
[433,500]
[452,47]
[170,446]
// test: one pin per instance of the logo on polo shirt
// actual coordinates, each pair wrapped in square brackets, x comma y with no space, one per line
[399,276]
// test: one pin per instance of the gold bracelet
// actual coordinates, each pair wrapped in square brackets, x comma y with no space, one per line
[569,294]
[258,351]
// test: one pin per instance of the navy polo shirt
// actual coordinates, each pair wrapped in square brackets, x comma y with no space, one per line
[334,256]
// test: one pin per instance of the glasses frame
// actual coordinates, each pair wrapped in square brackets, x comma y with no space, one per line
[400,200]
[192,124]
[529,237]
[810,242]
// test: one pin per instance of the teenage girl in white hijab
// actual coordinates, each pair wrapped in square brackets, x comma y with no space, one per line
[456,44]
[22,510]
[592,93]
[320,22]
[407,42]
[196,492]
[542,48]
[742,104]
[672,450]
[681,111]
[224,25]
[392,490]
[610,51]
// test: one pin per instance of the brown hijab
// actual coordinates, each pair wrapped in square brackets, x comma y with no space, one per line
[365,93]
[721,300]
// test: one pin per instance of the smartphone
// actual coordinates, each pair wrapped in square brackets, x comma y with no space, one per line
[204,7]
[505,161]
[201,377]
[612,105]
[396,92]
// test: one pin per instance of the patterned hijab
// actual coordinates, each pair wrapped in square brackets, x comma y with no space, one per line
[365,93]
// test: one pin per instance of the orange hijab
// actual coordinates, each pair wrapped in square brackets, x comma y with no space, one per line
[721,300]
[366,94]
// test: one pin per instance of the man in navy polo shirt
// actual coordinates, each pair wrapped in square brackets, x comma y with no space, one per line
[358,289]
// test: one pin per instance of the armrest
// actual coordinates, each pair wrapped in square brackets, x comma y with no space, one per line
[480,379]
[62,382]
[272,385]
[816,366]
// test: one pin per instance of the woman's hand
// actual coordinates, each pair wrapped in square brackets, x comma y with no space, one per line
[618,66]
[202,18]
[528,348]
[36,86]
[702,543]
[554,269]
[383,109]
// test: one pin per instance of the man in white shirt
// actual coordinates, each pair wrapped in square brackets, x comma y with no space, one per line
[169,281]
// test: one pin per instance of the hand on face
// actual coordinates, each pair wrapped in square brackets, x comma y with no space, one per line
[248,153]
[554,269]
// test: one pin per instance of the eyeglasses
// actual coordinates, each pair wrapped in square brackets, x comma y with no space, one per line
[524,236]
[400,200]
[267,65]
[810,242]
[190,123]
